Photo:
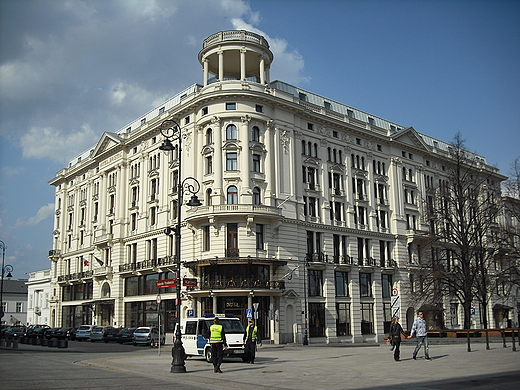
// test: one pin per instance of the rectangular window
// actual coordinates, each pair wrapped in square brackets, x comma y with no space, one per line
[256,163]
[327,105]
[19,307]
[232,240]
[153,215]
[259,108]
[342,319]
[209,165]
[206,238]
[161,110]
[367,318]
[231,162]
[231,106]
[315,283]
[259,236]
[365,284]
[341,281]
[302,96]
[205,111]
[386,284]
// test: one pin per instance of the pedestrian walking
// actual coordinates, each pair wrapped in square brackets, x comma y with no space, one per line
[251,340]
[420,330]
[217,340]
[396,330]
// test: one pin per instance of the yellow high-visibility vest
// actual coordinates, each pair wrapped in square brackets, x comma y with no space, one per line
[215,334]
[254,336]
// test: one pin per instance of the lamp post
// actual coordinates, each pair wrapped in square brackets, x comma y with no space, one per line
[305,292]
[172,132]
[5,268]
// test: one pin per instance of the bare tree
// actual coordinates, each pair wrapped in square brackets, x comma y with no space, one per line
[463,215]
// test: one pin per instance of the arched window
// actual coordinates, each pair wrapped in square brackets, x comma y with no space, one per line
[232,195]
[209,136]
[209,197]
[255,134]
[256,196]
[231,132]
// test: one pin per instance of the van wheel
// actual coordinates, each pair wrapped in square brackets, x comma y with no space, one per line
[209,359]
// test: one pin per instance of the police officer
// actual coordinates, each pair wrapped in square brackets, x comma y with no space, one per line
[250,340]
[217,340]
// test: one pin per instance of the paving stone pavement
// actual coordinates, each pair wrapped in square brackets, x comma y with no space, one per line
[341,367]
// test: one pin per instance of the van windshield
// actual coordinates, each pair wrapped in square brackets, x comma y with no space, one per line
[229,325]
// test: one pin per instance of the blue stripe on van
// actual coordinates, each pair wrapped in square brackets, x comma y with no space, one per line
[201,341]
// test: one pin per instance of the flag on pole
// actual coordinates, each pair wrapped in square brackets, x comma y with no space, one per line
[86,263]
[99,261]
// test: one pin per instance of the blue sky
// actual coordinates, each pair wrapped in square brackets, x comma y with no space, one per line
[71,70]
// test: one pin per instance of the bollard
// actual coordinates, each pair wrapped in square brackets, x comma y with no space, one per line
[53,343]
[63,343]
[8,343]
[38,341]
[33,341]
[15,343]
[513,339]
[22,340]
[45,343]
[2,342]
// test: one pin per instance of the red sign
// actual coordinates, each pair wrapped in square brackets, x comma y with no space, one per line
[189,282]
[166,283]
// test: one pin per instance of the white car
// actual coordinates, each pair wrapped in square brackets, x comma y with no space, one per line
[148,335]
[83,332]
[97,332]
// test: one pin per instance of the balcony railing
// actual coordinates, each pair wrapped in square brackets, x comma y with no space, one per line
[241,283]
[75,276]
[147,264]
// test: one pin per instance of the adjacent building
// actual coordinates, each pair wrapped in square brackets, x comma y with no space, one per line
[14,302]
[312,211]
[38,295]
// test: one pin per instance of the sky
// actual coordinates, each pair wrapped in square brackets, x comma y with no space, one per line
[71,70]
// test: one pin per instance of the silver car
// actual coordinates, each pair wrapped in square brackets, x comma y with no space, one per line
[83,332]
[148,335]
[97,332]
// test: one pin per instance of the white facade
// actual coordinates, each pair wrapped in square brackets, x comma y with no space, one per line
[38,296]
[311,209]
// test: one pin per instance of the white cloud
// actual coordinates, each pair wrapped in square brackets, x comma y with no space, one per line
[43,213]
[287,65]
[56,145]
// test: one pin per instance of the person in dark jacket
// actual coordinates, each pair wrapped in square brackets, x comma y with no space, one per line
[217,340]
[396,330]
[250,340]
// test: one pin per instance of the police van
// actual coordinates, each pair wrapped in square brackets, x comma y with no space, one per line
[195,336]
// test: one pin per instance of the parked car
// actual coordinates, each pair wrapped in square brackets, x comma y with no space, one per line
[15,331]
[110,334]
[63,334]
[96,334]
[148,335]
[83,332]
[50,333]
[125,335]
[36,331]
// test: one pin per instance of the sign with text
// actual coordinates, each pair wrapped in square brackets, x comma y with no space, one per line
[166,283]
[189,282]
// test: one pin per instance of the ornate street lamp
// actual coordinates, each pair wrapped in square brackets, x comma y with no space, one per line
[190,186]
[5,268]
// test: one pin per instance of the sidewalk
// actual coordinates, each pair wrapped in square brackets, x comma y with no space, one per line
[338,366]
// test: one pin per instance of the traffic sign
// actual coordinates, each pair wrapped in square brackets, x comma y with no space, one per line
[249,313]
[158,299]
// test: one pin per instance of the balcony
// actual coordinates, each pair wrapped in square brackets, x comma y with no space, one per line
[241,283]
[147,264]
[75,276]
[235,209]
[54,253]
